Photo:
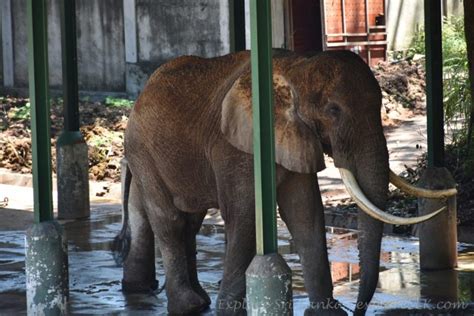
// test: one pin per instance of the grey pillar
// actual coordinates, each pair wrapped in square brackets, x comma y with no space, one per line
[438,236]
[269,291]
[73,176]
[46,265]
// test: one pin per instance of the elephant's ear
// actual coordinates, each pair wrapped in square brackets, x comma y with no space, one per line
[297,148]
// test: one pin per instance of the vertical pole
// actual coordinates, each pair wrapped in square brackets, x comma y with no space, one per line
[268,277]
[71,154]
[434,82]
[39,100]
[263,134]
[367,30]
[69,59]
[7,44]
[46,261]
[237,25]
[323,24]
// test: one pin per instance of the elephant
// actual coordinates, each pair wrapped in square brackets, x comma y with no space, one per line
[188,146]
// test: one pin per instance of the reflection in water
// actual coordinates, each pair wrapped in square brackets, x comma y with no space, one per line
[95,279]
[439,286]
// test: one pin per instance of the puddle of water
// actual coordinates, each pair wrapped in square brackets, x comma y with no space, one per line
[95,279]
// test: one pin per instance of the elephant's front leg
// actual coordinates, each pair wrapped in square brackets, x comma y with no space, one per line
[240,250]
[236,201]
[301,208]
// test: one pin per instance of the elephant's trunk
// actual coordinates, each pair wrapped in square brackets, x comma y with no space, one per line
[372,173]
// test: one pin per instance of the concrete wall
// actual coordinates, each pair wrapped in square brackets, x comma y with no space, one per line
[167,29]
[100,45]
[278,23]
[100,42]
[404,17]
[114,56]
[163,30]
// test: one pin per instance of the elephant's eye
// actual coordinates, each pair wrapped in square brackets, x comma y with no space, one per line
[333,110]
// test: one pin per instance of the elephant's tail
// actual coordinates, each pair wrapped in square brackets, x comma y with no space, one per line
[121,244]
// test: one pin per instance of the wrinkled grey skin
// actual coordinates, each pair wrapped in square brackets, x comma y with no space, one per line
[189,148]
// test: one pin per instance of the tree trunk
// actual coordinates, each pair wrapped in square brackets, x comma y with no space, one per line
[469,31]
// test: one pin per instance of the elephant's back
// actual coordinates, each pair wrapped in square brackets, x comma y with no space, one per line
[187,83]
[174,119]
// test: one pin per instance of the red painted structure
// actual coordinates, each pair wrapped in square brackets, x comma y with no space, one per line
[357,25]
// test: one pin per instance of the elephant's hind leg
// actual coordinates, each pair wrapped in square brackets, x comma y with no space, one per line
[169,225]
[139,267]
[193,224]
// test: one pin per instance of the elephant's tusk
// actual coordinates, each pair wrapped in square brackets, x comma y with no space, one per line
[420,192]
[363,202]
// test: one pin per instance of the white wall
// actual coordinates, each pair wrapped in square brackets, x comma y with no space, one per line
[404,17]
[278,23]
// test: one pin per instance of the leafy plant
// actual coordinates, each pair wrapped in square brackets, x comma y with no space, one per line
[20,112]
[118,102]
[456,85]
[457,96]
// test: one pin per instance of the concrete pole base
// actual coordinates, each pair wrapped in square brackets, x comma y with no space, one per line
[269,290]
[46,262]
[438,236]
[73,179]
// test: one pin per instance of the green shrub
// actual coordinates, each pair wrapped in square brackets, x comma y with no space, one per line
[456,90]
[118,102]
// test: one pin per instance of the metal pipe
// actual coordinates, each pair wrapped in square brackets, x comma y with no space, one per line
[434,83]
[263,133]
[237,25]
[69,60]
[367,30]
[39,100]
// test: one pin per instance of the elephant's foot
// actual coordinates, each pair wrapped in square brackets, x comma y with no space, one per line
[139,287]
[199,290]
[326,308]
[185,301]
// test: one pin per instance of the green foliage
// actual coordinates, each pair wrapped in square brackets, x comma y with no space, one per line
[118,102]
[20,112]
[457,96]
[417,46]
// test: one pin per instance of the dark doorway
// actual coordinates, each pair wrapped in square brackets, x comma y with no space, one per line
[306,25]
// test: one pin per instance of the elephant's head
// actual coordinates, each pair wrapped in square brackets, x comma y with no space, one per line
[328,103]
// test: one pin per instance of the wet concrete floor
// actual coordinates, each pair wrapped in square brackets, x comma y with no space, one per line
[95,279]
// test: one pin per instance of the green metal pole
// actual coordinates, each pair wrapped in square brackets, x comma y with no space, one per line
[237,25]
[268,277]
[46,262]
[39,100]
[434,82]
[263,134]
[69,60]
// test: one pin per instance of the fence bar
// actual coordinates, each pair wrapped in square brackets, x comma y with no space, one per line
[434,82]
[263,134]
[238,25]
[39,100]
[268,277]
[69,59]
